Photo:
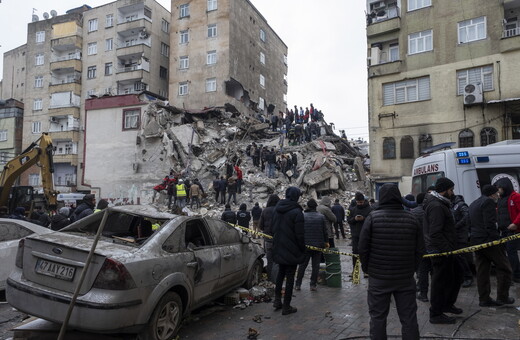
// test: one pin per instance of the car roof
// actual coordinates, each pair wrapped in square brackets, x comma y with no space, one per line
[38,229]
[146,211]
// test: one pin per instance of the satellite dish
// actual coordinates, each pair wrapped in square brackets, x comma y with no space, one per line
[46,15]
[54,13]
[35,18]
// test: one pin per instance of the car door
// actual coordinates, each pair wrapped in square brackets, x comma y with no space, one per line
[233,258]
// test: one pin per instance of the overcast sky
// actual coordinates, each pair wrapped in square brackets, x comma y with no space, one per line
[326,41]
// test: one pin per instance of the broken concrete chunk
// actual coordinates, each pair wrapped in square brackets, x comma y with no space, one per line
[317,176]
[153,129]
[319,145]
[215,155]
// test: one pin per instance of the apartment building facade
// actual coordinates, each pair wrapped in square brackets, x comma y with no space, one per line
[11,120]
[439,72]
[224,52]
[117,48]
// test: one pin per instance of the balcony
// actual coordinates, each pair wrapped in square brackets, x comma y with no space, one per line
[136,25]
[382,27]
[66,43]
[385,69]
[72,63]
[71,134]
[65,86]
[67,181]
[60,112]
[137,47]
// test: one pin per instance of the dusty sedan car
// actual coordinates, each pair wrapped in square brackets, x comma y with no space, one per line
[149,270]
[11,231]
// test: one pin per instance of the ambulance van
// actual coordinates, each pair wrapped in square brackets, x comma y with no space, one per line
[469,168]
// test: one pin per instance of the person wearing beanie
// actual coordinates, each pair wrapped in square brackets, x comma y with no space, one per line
[315,235]
[228,215]
[288,246]
[339,212]
[391,246]
[85,209]
[61,219]
[356,217]
[256,212]
[483,217]
[243,216]
[330,219]
[265,225]
[102,205]
[440,236]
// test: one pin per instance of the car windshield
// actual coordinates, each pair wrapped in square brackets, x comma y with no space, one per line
[121,226]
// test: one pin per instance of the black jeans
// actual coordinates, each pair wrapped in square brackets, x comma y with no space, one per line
[234,195]
[285,271]
[315,256]
[423,274]
[483,260]
[379,294]
[337,227]
[447,276]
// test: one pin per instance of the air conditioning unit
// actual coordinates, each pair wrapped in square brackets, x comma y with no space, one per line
[378,5]
[53,120]
[473,94]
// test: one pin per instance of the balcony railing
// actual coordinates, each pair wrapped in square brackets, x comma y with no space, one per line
[512,32]
[65,182]
[66,81]
[386,14]
[129,68]
[65,129]
[75,56]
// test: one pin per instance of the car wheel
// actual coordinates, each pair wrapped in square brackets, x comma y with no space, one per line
[165,320]
[254,275]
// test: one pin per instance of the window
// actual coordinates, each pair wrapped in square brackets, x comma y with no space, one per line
[165,26]
[407,147]
[425,142]
[92,48]
[109,44]
[163,72]
[211,85]
[184,10]
[184,37]
[483,75]
[262,81]
[147,12]
[420,42]
[212,31]
[285,59]
[3,135]
[92,25]
[37,104]
[262,35]
[184,62]
[388,148]
[91,93]
[131,119]
[417,4]
[40,36]
[165,50]
[34,179]
[262,58]
[393,52]
[3,159]
[488,136]
[406,91]
[471,30]
[183,88]
[211,58]
[91,72]
[36,127]
[109,22]
[466,139]
[261,103]
[38,81]
[212,5]
[39,59]
[108,69]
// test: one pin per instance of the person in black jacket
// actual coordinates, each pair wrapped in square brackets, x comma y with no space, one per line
[222,184]
[243,216]
[265,226]
[216,188]
[356,216]
[461,215]
[288,246]
[61,219]
[441,236]
[391,246]
[425,267]
[339,211]
[483,216]
[228,215]
[232,190]
[316,235]
[256,212]
[84,209]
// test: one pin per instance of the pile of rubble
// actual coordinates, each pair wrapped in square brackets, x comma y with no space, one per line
[197,144]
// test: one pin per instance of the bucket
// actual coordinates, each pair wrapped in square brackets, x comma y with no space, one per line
[333,269]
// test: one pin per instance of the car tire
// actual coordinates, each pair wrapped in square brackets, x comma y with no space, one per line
[165,320]
[254,274]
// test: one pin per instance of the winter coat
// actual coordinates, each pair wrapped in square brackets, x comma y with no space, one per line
[243,216]
[330,218]
[229,216]
[256,212]
[353,211]
[461,215]
[288,232]
[216,184]
[513,200]
[483,216]
[232,186]
[265,224]
[339,212]
[222,185]
[316,233]
[439,224]
[83,210]
[419,215]
[195,191]
[391,243]
[59,222]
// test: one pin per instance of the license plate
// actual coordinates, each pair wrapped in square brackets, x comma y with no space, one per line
[54,269]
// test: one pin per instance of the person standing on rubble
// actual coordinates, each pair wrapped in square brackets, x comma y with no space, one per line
[288,246]
[232,190]
[265,226]
[263,156]
[222,188]
[216,187]
[181,193]
[229,215]
[195,194]
[330,218]
[229,169]
[274,122]
[271,163]
[243,216]
[256,212]
[239,173]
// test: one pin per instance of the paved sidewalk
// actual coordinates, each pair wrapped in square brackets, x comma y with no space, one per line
[342,313]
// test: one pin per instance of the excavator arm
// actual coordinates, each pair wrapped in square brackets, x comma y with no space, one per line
[39,152]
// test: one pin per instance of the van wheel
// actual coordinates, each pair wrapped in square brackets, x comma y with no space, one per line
[165,320]
[254,275]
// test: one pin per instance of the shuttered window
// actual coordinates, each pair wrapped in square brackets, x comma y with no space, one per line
[407,147]
[406,91]
[389,148]
[466,139]
[483,75]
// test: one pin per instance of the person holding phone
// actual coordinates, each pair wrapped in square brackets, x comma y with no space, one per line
[355,218]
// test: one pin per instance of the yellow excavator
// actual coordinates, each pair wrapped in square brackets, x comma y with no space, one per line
[40,153]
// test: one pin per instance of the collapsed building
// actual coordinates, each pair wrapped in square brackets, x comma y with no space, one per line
[197,144]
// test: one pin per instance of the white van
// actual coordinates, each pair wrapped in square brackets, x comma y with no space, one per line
[469,168]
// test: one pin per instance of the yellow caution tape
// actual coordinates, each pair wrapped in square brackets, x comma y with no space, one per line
[474,248]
